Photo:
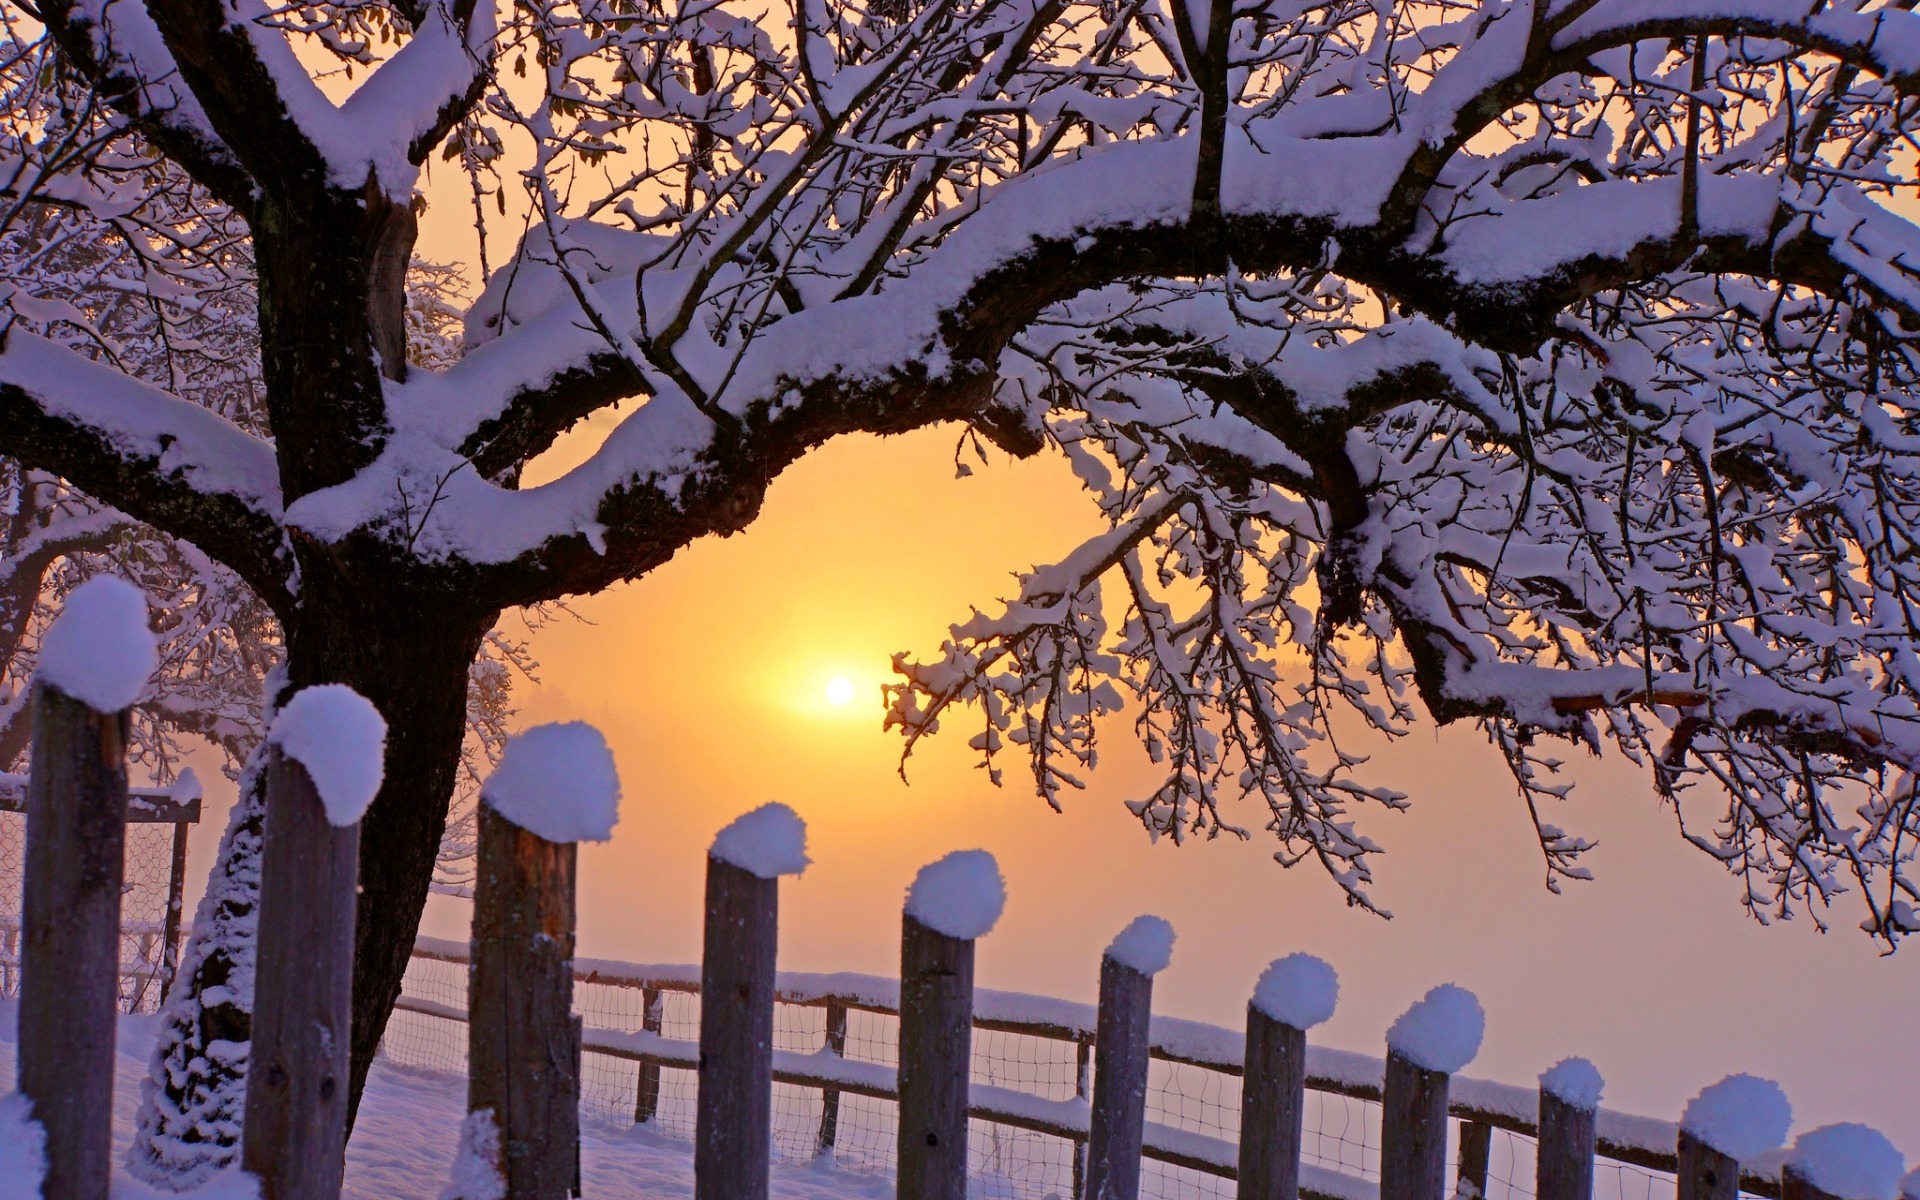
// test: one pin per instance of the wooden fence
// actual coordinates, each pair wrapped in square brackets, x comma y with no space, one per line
[1481,1107]
[150,946]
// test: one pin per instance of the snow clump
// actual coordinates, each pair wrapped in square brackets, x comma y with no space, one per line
[1298,990]
[557,782]
[1742,1116]
[962,895]
[1575,1081]
[341,739]
[23,1149]
[770,841]
[476,1165]
[1442,1031]
[100,649]
[1848,1160]
[1146,945]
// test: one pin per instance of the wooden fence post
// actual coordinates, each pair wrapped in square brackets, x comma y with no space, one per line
[952,903]
[1753,1112]
[1120,1058]
[95,661]
[836,1045]
[1705,1173]
[1413,1132]
[176,909]
[521,1061]
[70,954]
[1294,994]
[733,1124]
[555,786]
[296,1106]
[1476,1158]
[1433,1039]
[646,1093]
[1569,1118]
[734,1121]
[1082,1089]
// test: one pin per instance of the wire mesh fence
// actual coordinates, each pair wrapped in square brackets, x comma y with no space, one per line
[1342,1132]
[152,882]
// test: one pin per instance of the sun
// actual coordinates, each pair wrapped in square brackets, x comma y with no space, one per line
[839,690]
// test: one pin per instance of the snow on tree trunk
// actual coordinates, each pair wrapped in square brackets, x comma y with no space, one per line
[188,1128]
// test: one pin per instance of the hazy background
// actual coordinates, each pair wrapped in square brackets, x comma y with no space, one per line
[709,680]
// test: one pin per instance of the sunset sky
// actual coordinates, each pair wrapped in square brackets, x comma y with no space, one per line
[710,680]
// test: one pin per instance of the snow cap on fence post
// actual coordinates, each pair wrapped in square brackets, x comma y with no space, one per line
[557,782]
[1441,1032]
[100,649]
[341,739]
[1576,1082]
[1145,945]
[1298,990]
[768,842]
[1742,1116]
[961,895]
[1854,1162]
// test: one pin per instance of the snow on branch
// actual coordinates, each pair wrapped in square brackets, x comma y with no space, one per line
[164,460]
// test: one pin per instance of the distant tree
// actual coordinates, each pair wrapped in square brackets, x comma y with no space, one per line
[1546,362]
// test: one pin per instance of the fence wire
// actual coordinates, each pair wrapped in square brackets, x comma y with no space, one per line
[1342,1133]
[143,909]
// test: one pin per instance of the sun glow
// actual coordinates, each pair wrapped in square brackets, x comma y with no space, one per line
[839,690]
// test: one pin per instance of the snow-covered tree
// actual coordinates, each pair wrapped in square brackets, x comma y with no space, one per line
[157,279]
[1543,363]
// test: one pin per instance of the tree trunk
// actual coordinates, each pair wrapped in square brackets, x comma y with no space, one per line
[411,661]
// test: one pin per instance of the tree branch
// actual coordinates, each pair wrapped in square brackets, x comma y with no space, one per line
[161,460]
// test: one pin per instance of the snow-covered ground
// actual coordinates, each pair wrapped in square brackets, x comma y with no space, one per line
[403,1146]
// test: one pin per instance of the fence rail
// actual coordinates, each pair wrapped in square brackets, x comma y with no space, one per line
[156,869]
[1480,1106]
